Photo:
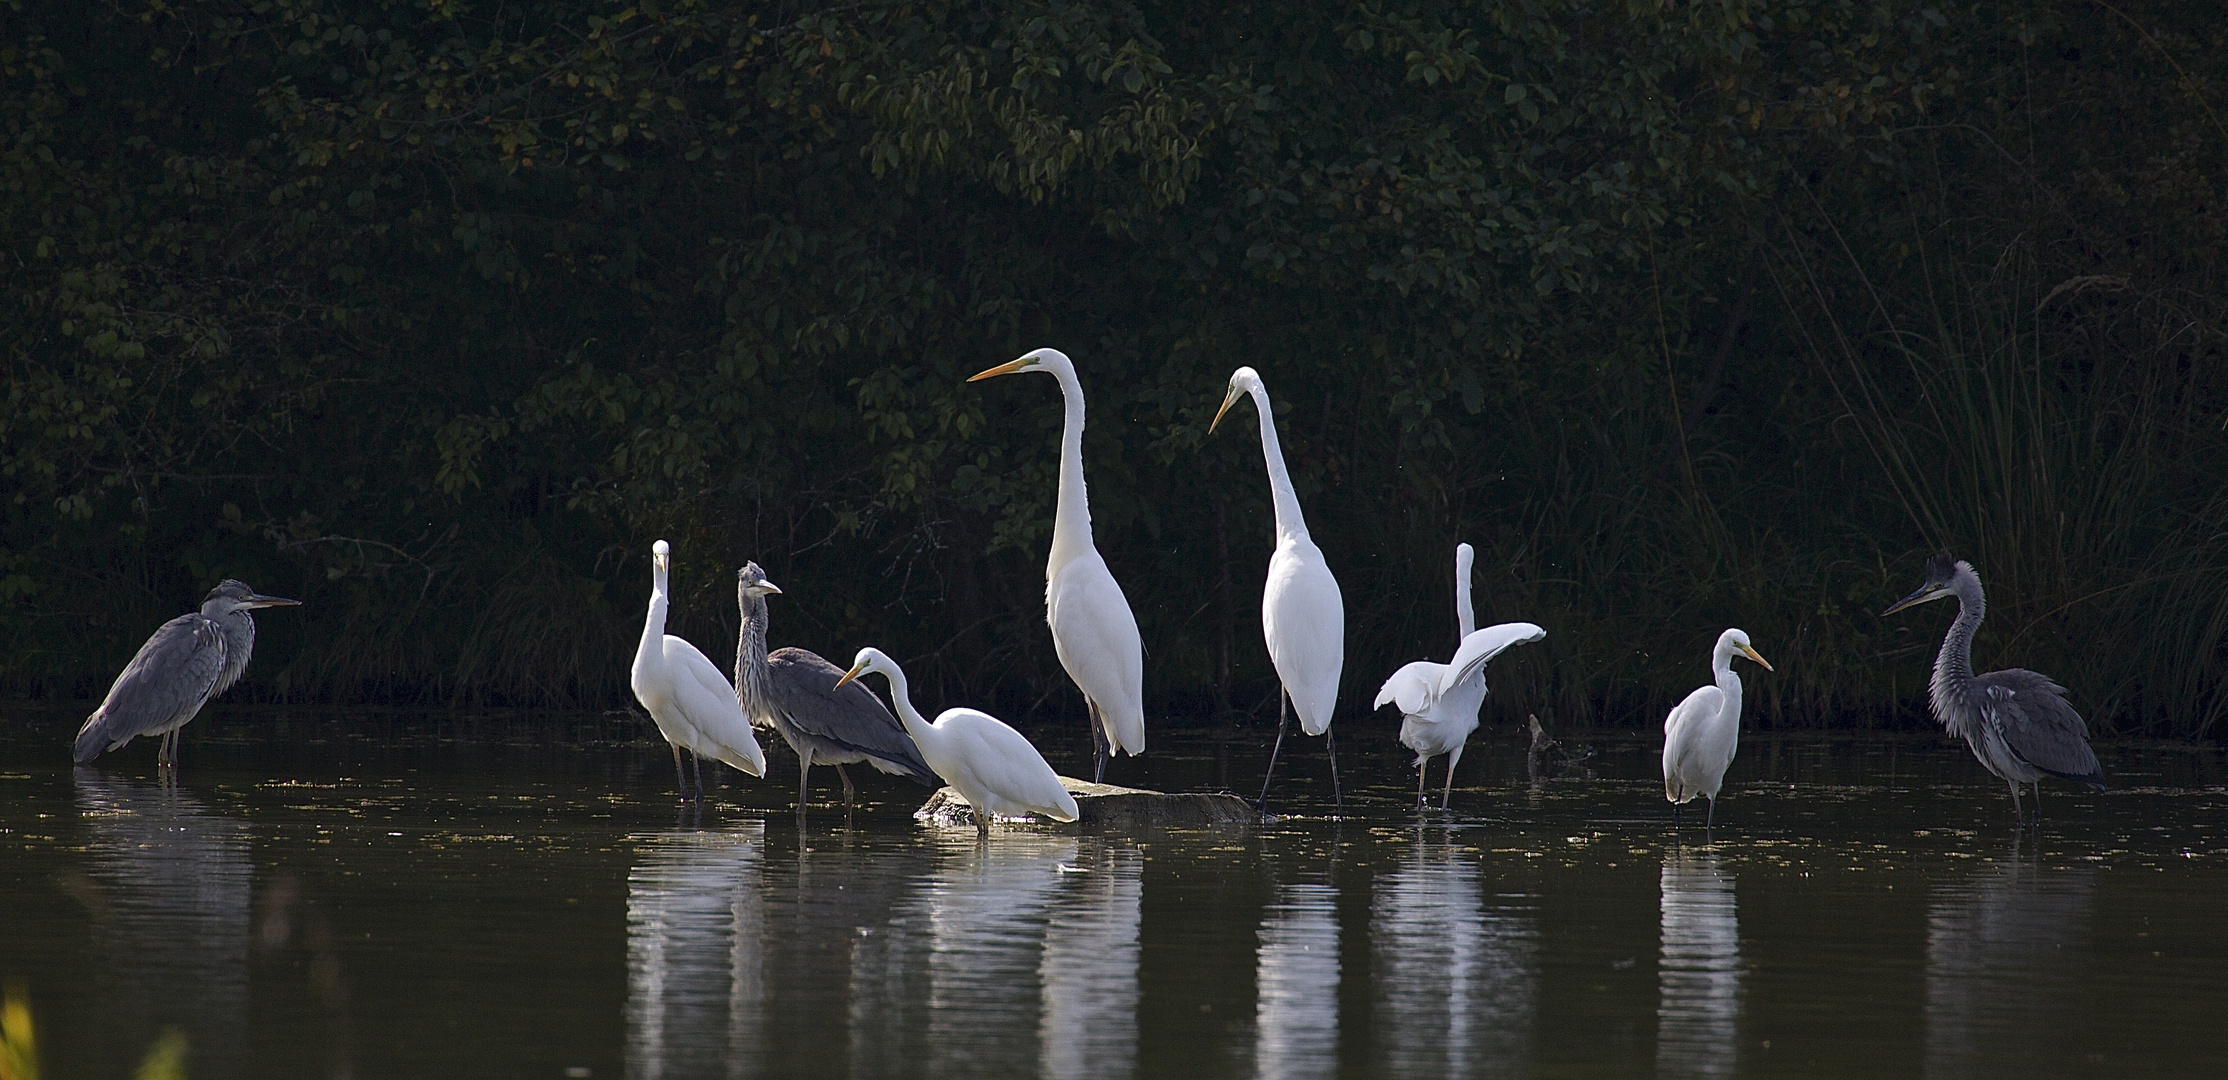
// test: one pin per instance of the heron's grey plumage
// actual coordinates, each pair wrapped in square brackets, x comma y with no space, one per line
[794,692]
[189,660]
[2017,722]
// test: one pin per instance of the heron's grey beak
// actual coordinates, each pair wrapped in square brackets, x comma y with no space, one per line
[769,586]
[1754,655]
[1007,368]
[259,600]
[850,675]
[1228,400]
[1924,594]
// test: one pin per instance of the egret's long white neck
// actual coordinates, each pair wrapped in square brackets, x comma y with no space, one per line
[1721,663]
[1463,613]
[1289,523]
[901,696]
[653,624]
[1071,519]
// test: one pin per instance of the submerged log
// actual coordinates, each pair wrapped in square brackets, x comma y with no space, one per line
[1105,808]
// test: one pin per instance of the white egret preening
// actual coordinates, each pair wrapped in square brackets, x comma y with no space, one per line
[1699,736]
[1093,631]
[1303,617]
[992,766]
[1439,702]
[694,705]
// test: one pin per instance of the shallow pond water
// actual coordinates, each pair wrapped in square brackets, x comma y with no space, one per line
[396,894]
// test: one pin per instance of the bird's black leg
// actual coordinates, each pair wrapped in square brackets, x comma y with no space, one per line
[1709,820]
[2037,789]
[982,824]
[2017,814]
[680,775]
[1338,798]
[1675,808]
[1100,748]
[1281,719]
[696,766]
[804,777]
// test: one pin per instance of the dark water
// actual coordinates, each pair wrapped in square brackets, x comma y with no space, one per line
[413,895]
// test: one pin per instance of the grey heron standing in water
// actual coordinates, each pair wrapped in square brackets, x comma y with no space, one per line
[2017,721]
[797,693]
[189,660]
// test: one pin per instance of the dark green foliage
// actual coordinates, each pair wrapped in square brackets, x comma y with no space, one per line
[1687,315]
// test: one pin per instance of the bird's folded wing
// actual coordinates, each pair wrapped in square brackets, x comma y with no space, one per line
[165,684]
[1414,687]
[804,686]
[2038,724]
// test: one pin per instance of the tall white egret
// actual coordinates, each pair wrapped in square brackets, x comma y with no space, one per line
[2016,721]
[992,766]
[1303,617]
[187,661]
[795,692]
[1093,631]
[693,704]
[1699,736]
[1439,702]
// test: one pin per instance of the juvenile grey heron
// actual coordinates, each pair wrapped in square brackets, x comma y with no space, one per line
[2017,721]
[189,660]
[796,693]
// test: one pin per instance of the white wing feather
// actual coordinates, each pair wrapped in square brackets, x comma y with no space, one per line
[1414,687]
[707,700]
[1484,645]
[998,769]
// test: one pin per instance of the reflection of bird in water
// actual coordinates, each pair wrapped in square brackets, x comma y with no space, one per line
[695,708]
[1458,978]
[2007,961]
[1700,735]
[2016,721]
[189,660]
[171,886]
[1088,1026]
[995,768]
[1093,631]
[1699,972]
[1303,615]
[795,692]
[695,988]
[1295,1023]
[986,909]
[1439,702]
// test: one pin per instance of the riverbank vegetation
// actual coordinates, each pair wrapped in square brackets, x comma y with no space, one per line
[1687,315]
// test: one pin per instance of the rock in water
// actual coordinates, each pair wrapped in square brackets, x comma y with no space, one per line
[1104,808]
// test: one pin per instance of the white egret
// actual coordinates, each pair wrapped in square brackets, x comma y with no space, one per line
[1699,736]
[2016,721]
[187,661]
[794,692]
[1439,702]
[992,766]
[1303,617]
[693,704]
[1093,631]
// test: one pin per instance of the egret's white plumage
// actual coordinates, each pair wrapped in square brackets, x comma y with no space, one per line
[1093,631]
[1303,617]
[693,703]
[1439,702]
[1699,736]
[992,766]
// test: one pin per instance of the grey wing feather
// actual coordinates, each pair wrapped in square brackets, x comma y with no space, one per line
[2040,726]
[804,688]
[162,688]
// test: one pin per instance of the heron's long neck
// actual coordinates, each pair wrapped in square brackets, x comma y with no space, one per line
[1071,519]
[753,679]
[1953,666]
[1729,684]
[653,624]
[238,627]
[1289,523]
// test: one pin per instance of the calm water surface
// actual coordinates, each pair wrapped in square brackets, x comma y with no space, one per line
[401,895]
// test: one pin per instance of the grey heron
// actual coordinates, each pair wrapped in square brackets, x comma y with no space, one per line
[2016,721]
[1439,702]
[685,693]
[1093,631]
[795,692]
[189,660]
[995,768]
[1702,732]
[1303,615]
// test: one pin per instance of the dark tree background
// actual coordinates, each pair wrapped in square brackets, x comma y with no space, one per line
[1686,314]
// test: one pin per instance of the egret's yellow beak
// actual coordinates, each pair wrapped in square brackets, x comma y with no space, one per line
[1754,655]
[850,675]
[1228,400]
[1007,368]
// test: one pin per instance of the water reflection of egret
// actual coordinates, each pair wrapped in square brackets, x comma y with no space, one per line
[986,909]
[695,990]
[174,882]
[1089,971]
[1458,980]
[1296,985]
[2006,961]
[1699,974]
